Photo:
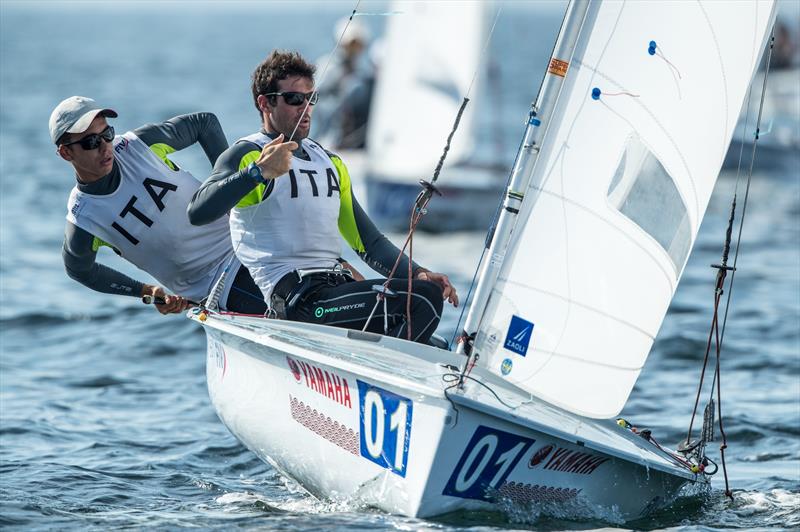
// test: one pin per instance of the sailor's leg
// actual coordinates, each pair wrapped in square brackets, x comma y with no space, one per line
[349,305]
[426,309]
[245,297]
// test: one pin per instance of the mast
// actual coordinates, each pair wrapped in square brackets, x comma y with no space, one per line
[538,121]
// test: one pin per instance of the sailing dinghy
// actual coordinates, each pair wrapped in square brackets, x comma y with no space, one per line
[622,150]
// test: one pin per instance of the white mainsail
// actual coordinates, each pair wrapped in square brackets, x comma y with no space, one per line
[432,53]
[617,196]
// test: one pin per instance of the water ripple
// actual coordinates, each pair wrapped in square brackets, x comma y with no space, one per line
[105,420]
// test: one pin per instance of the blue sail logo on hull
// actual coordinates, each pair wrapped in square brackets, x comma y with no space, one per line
[518,336]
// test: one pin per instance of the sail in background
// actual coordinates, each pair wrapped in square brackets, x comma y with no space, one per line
[432,51]
[617,196]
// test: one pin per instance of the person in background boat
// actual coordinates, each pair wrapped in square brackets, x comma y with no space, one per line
[131,197]
[785,49]
[347,88]
[290,200]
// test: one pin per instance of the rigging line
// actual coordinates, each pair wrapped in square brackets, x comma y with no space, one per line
[466,99]
[747,114]
[324,70]
[714,326]
[449,140]
[466,299]
[416,216]
[724,444]
[456,377]
[420,205]
[493,227]
[747,188]
[677,459]
[380,14]
[410,273]
[472,359]
[483,51]
[716,383]
[742,141]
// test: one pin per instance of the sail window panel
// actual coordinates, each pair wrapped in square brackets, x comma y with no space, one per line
[569,251]
[643,191]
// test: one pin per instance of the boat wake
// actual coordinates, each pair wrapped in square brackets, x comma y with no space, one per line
[776,507]
[577,509]
[247,501]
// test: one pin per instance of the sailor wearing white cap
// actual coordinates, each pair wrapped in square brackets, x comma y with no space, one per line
[131,197]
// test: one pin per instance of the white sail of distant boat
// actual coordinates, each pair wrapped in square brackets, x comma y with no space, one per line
[616,167]
[432,51]
[432,55]
[616,199]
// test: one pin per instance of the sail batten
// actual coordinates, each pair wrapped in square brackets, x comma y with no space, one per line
[649,250]
[617,195]
[579,304]
[575,358]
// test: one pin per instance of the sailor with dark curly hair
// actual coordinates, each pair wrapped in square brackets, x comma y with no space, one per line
[290,200]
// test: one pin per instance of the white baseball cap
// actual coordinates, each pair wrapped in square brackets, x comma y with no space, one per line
[75,115]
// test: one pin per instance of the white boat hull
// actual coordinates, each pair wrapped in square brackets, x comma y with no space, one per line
[332,410]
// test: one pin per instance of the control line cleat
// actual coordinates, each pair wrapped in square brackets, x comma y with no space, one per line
[685,447]
[384,290]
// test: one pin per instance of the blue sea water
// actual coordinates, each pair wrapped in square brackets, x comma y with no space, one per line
[104,417]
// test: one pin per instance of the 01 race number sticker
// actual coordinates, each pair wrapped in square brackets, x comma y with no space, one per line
[486,462]
[385,427]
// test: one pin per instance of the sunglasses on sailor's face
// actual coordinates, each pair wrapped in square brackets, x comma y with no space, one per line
[92,142]
[296,98]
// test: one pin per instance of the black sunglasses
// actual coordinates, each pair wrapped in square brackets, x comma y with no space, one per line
[297,98]
[92,142]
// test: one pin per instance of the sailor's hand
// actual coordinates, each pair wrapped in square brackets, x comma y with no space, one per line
[172,303]
[448,290]
[276,158]
[355,274]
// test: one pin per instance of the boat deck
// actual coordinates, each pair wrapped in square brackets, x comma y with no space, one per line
[431,372]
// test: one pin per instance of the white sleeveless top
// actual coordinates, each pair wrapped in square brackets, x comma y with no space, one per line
[145,220]
[296,225]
